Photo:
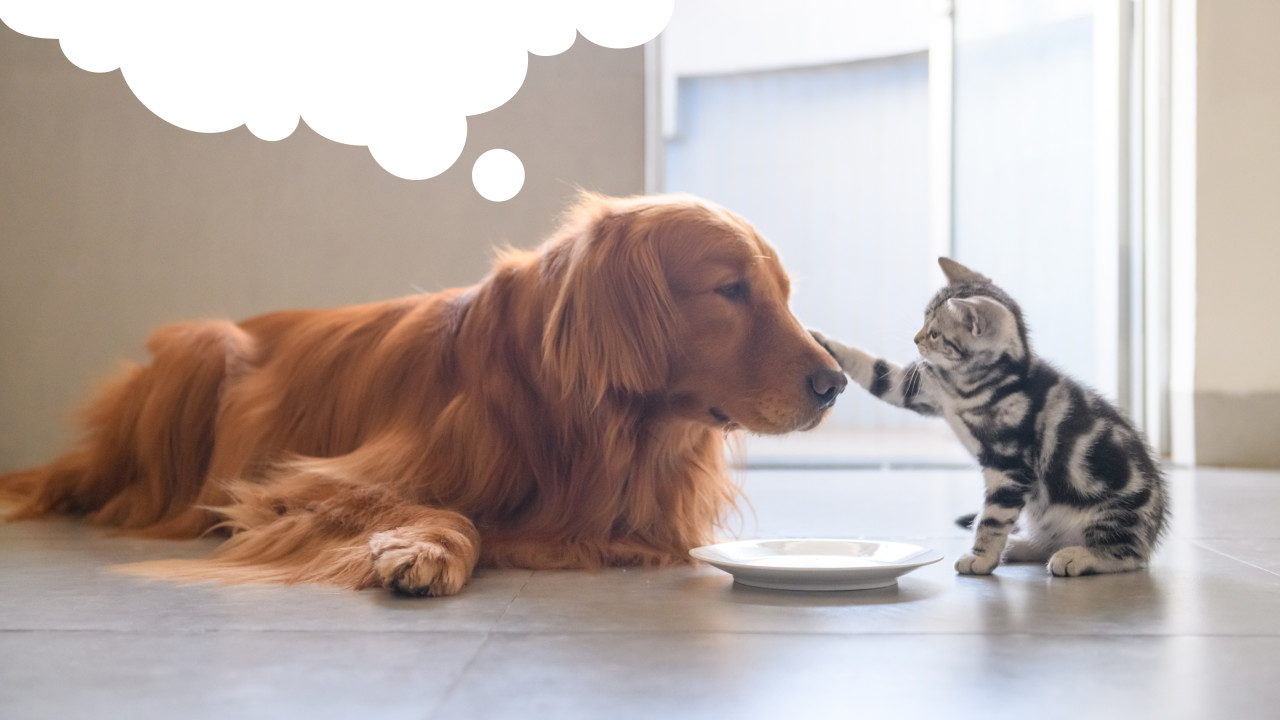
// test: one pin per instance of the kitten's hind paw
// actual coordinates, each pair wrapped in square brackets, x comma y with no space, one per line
[1073,561]
[970,564]
[1078,560]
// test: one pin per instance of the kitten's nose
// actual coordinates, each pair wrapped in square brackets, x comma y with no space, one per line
[826,385]
[919,337]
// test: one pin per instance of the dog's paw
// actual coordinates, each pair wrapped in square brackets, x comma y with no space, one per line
[1073,561]
[415,566]
[970,564]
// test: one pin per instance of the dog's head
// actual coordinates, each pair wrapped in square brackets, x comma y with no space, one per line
[675,297]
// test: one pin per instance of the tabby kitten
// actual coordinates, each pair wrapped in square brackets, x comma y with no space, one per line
[1057,459]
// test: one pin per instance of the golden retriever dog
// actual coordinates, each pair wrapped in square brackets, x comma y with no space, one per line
[569,411]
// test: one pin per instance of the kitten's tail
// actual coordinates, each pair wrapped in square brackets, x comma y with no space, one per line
[966,521]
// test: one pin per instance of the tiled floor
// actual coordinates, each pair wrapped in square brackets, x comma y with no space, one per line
[1196,636]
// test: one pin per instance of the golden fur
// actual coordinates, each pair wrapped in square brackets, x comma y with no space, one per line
[569,411]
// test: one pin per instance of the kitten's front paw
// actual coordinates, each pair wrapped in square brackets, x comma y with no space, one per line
[824,342]
[970,564]
[1073,562]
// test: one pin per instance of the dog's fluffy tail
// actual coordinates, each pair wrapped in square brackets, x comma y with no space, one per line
[17,488]
[148,440]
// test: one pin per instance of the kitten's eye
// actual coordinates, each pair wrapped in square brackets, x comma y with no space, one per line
[933,334]
[735,291]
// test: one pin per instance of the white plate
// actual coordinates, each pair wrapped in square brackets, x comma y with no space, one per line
[816,564]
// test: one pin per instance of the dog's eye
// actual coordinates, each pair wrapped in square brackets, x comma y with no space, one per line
[736,291]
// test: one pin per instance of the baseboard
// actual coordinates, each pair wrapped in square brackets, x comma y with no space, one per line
[1237,429]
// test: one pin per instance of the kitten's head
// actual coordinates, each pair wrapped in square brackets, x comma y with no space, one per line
[971,323]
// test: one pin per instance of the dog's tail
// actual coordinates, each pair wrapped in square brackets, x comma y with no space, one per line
[17,488]
[966,521]
[148,440]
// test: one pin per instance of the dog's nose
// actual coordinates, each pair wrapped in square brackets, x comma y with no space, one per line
[826,385]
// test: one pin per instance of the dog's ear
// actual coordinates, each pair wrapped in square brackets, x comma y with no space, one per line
[613,321]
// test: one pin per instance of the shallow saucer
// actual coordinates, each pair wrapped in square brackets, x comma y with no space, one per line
[816,564]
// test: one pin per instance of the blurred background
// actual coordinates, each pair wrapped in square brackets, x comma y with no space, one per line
[1113,164]
[833,138]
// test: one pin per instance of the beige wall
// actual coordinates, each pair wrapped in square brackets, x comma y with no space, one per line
[1237,374]
[113,221]
[1238,225]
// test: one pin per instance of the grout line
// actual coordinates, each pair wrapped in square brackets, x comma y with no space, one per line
[674,632]
[838,464]
[1202,546]
[457,679]
[488,635]
[179,632]
[685,632]
[512,601]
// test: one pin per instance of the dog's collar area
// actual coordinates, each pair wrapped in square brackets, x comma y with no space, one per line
[723,419]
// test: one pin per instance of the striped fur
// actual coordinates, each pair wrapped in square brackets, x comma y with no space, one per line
[1061,464]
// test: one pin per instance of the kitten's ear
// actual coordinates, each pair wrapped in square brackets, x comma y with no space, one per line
[957,273]
[974,312]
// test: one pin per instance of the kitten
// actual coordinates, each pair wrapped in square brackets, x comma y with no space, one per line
[1056,458]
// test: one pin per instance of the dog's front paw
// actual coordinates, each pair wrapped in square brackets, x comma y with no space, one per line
[970,564]
[415,566]
[1073,561]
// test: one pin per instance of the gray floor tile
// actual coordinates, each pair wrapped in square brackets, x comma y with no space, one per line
[280,675]
[1218,503]
[1194,636]
[1188,590]
[857,504]
[107,601]
[745,676]
[60,576]
[1263,553]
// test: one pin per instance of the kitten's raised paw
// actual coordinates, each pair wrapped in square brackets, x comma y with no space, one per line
[1073,561]
[970,564]
[823,341]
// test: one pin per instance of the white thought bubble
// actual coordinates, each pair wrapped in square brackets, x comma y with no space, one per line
[399,77]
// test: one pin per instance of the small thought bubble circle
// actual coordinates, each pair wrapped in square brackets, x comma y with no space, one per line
[498,175]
